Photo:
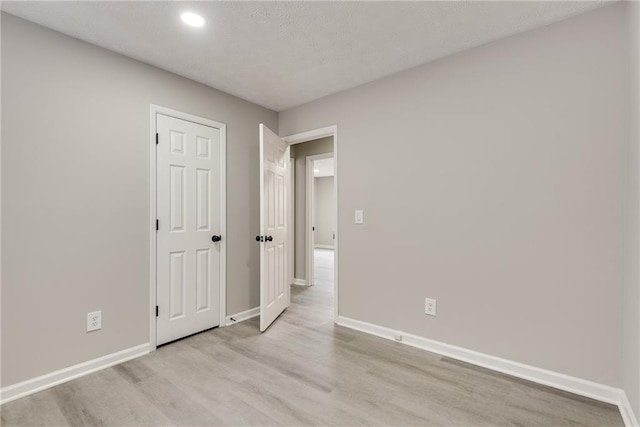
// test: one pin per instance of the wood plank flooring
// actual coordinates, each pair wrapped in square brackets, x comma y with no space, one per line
[303,371]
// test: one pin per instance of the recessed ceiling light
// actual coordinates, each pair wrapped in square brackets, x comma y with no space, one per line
[316,170]
[192,19]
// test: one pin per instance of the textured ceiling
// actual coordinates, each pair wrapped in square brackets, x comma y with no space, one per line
[282,54]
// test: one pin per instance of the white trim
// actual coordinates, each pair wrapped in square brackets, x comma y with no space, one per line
[319,246]
[34,385]
[154,110]
[243,315]
[292,221]
[557,380]
[626,411]
[0,216]
[153,215]
[310,136]
[335,222]
[223,224]
[299,282]
[309,220]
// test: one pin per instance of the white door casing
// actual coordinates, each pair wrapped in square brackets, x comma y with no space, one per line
[292,222]
[189,211]
[274,226]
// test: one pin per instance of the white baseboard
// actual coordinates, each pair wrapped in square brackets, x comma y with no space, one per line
[557,380]
[300,282]
[34,385]
[243,315]
[318,246]
[628,416]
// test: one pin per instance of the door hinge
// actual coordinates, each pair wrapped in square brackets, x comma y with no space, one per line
[157,225]
[157,138]
[157,311]
[313,229]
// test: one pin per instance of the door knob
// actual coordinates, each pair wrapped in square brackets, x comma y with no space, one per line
[259,238]
[269,238]
[216,238]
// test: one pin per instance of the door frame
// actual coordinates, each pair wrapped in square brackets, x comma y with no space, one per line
[154,110]
[310,214]
[310,136]
[292,223]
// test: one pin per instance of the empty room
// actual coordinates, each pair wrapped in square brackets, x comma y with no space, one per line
[372,213]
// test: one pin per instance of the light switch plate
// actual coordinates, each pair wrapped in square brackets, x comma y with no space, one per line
[359,217]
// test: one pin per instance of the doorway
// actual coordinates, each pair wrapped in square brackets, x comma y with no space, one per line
[319,208]
[187,224]
[276,219]
[320,260]
[318,296]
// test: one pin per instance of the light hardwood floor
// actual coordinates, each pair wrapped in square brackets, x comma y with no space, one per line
[302,371]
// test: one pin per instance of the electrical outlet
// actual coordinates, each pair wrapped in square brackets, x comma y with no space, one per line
[94,321]
[430,306]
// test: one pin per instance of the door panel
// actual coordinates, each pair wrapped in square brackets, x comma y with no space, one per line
[203,197]
[203,300]
[274,227]
[177,273]
[189,214]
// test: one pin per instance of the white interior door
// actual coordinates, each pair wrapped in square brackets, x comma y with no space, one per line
[274,226]
[189,220]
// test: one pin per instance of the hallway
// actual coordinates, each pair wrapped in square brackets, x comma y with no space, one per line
[315,303]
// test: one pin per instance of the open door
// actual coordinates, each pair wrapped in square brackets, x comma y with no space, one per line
[274,226]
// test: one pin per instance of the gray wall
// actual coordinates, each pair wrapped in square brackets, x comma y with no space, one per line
[75,189]
[631,293]
[300,153]
[324,211]
[508,209]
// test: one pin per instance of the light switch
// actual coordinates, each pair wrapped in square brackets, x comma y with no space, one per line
[359,217]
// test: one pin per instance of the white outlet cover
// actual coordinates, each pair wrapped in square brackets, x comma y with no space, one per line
[430,306]
[359,217]
[94,321]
